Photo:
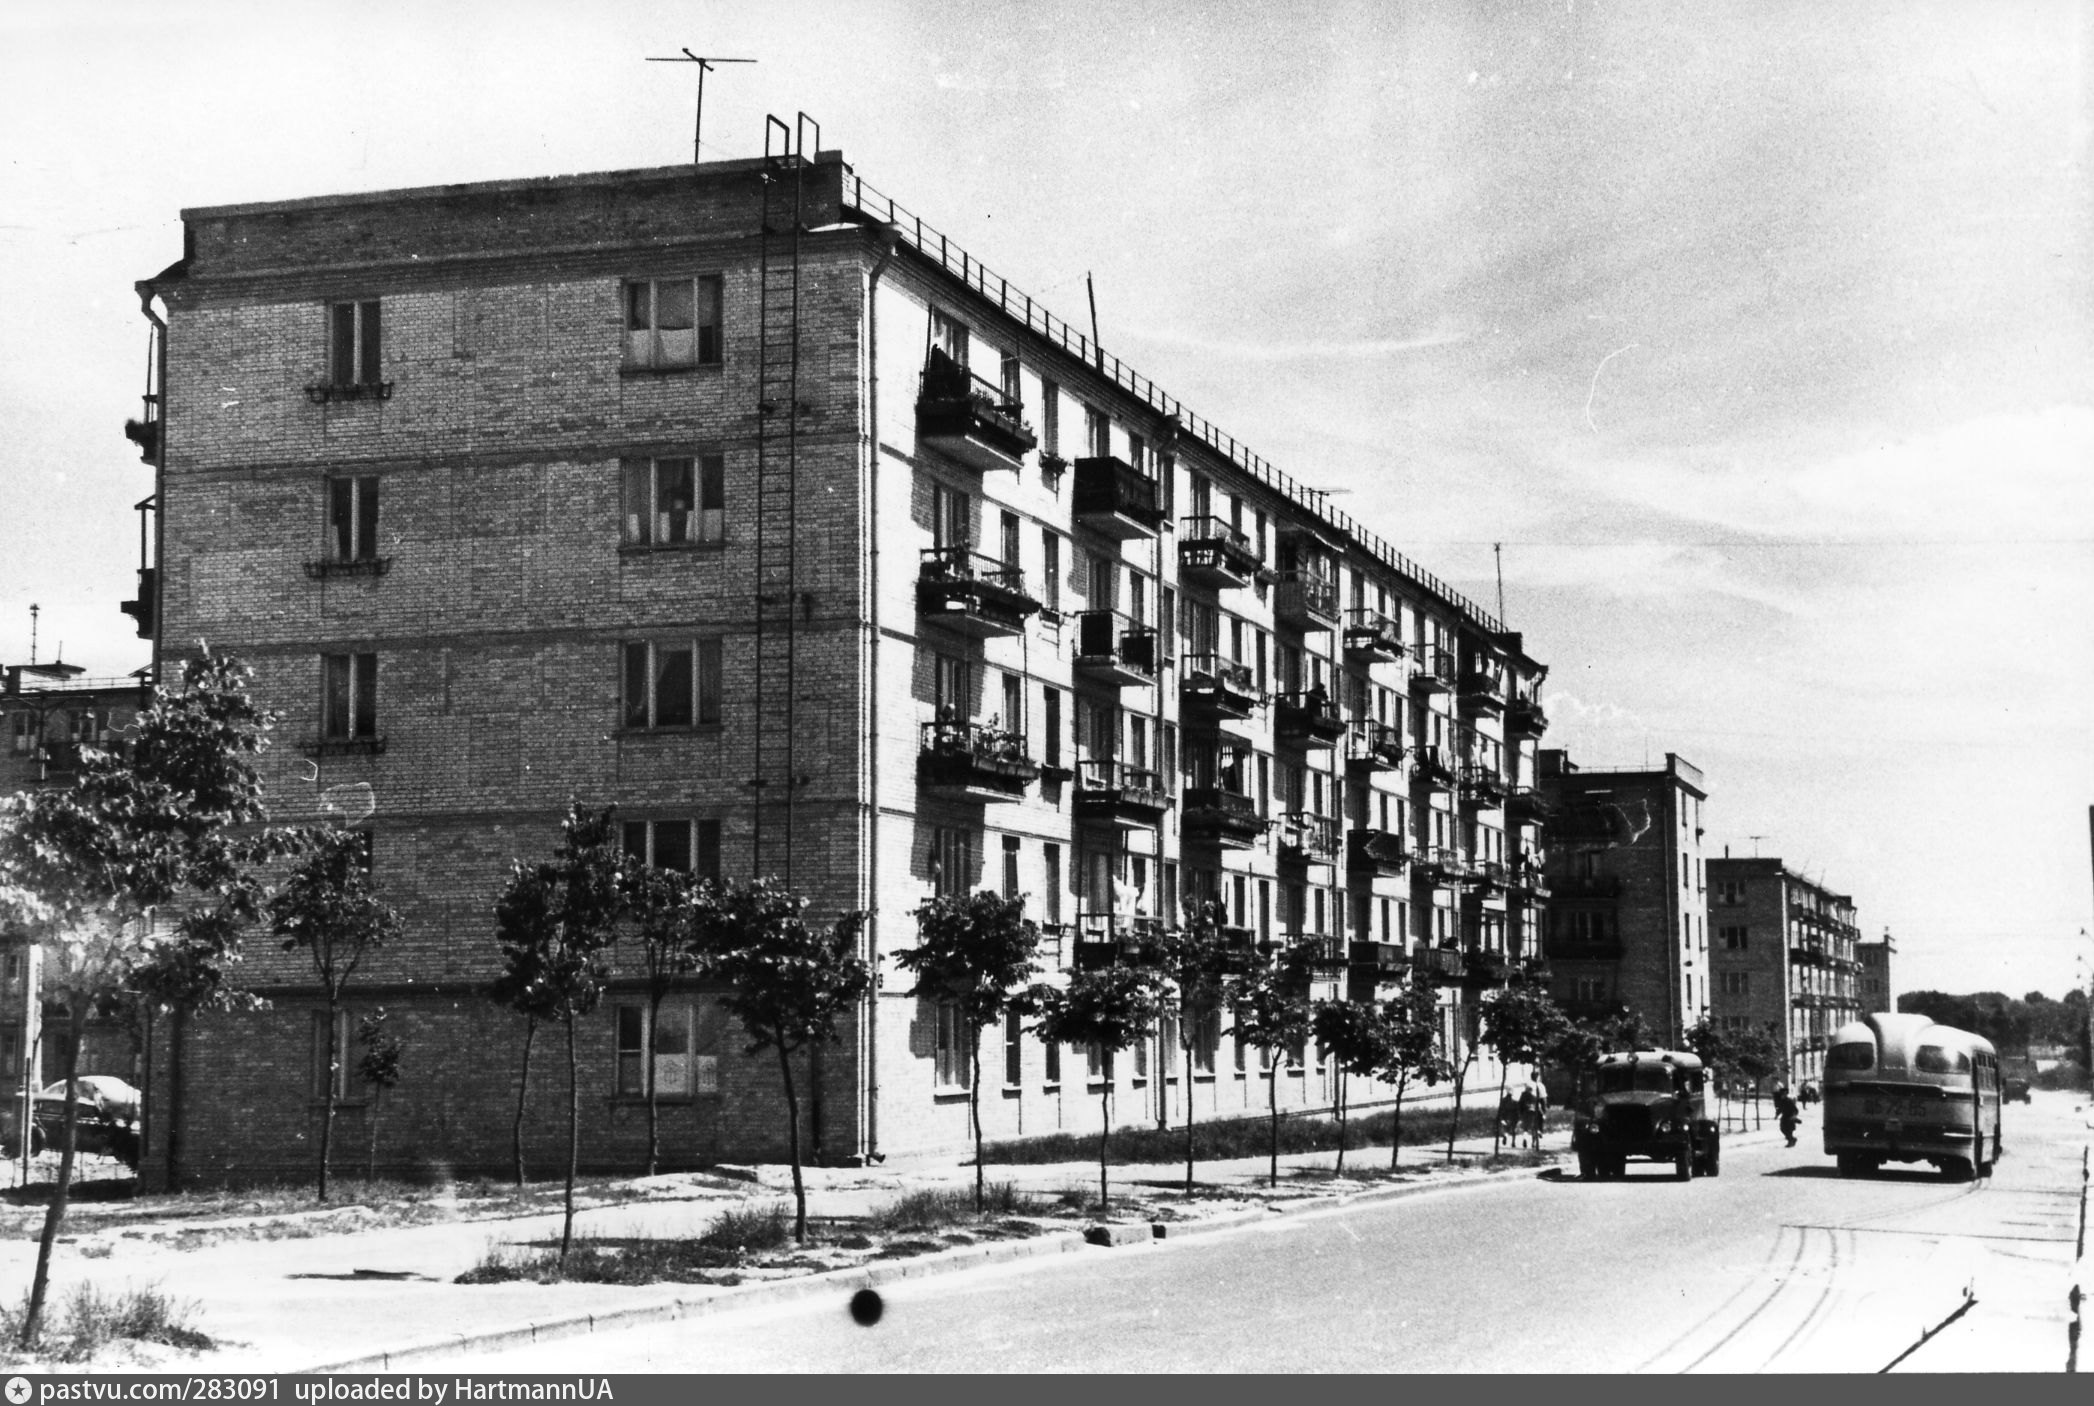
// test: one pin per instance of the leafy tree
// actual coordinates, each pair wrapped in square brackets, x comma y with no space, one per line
[790,984]
[1411,1046]
[378,1067]
[1460,1075]
[1353,1034]
[1193,959]
[329,910]
[1109,1009]
[1718,1053]
[1520,1025]
[1272,1013]
[165,823]
[1756,1054]
[555,922]
[975,955]
[676,916]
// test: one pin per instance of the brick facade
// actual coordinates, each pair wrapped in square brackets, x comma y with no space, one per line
[500,447]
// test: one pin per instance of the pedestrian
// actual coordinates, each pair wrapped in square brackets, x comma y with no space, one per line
[1508,1117]
[1785,1112]
[1533,1107]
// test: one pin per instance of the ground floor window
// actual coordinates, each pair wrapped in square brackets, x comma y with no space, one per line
[679,1070]
[951,1049]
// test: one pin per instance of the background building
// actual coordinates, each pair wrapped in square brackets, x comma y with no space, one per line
[737,496]
[1784,956]
[1875,990]
[1627,925]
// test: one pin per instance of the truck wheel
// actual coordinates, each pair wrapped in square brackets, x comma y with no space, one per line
[1587,1171]
[1715,1167]
[1683,1164]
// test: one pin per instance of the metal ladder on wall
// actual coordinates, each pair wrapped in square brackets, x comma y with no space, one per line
[778,412]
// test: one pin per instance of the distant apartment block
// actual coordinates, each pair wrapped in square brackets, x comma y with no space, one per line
[1785,956]
[1627,923]
[1876,991]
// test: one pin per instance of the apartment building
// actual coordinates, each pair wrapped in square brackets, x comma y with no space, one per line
[1785,958]
[1625,873]
[1875,990]
[739,497]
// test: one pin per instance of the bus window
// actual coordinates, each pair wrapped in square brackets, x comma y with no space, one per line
[1933,1059]
[1854,1055]
[1638,1078]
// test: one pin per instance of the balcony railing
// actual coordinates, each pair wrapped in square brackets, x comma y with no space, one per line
[1306,717]
[1384,958]
[1305,600]
[1116,499]
[1308,839]
[1375,851]
[974,594]
[1218,686]
[1374,746]
[1435,672]
[1444,963]
[975,762]
[1482,782]
[1112,792]
[1212,553]
[1524,806]
[1371,635]
[1113,649]
[1228,818]
[1435,767]
[1525,875]
[1442,864]
[1482,688]
[1116,940]
[1482,966]
[968,418]
[1525,717]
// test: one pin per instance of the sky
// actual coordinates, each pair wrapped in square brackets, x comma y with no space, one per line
[1751,341]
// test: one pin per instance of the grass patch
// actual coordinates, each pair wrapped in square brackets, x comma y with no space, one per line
[727,1246]
[1223,1138]
[936,1207]
[90,1322]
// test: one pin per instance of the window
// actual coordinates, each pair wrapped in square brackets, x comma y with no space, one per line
[1737,983]
[691,847]
[1010,871]
[352,357]
[1097,432]
[1050,570]
[672,322]
[1054,1063]
[671,683]
[1589,988]
[1730,892]
[1098,1064]
[1051,716]
[1167,1046]
[951,1051]
[1012,387]
[951,861]
[949,335]
[1013,1049]
[1733,937]
[352,519]
[349,697]
[1050,419]
[676,501]
[23,728]
[1051,860]
[1206,1041]
[679,1071]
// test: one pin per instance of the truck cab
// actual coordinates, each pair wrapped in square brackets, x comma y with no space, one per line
[1650,1105]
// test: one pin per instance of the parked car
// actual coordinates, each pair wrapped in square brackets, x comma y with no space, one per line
[105,1119]
[1650,1105]
[2017,1075]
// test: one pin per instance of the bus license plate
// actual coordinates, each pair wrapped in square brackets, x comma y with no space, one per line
[1894,1125]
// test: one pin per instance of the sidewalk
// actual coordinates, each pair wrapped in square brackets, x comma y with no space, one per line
[366,1300]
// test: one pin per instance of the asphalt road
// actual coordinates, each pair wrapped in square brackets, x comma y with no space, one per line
[1777,1265]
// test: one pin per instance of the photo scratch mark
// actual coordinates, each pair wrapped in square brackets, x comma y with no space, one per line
[1596,381]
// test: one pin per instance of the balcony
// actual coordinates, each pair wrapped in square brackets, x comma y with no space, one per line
[1113,650]
[967,418]
[1444,963]
[1525,717]
[1115,940]
[1115,499]
[1482,783]
[1523,806]
[1307,839]
[1212,553]
[972,594]
[1534,970]
[1375,852]
[1483,688]
[1111,792]
[1217,687]
[143,608]
[1487,876]
[1307,718]
[1240,950]
[1373,746]
[1435,768]
[1326,956]
[1305,600]
[1442,864]
[1384,959]
[1435,672]
[1371,636]
[1525,876]
[1484,967]
[968,761]
[1227,818]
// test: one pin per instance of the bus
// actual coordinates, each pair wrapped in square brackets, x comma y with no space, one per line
[1899,1088]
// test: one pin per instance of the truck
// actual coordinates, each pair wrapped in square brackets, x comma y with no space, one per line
[1649,1105]
[2017,1076]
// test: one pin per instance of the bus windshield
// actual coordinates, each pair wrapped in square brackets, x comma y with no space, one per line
[1853,1055]
[1634,1078]
[1934,1059]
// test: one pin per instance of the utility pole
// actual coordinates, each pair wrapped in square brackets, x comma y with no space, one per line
[1498,554]
[705,64]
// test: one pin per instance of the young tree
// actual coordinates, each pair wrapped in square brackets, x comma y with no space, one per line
[1108,1009]
[521,987]
[790,984]
[379,1069]
[1718,1055]
[83,869]
[1460,1075]
[555,923]
[329,910]
[676,917]
[1194,960]
[1352,1034]
[1520,1024]
[1757,1054]
[975,955]
[1411,1047]
[1272,1013]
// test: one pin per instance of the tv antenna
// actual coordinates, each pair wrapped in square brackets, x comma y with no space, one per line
[705,64]
[1498,554]
[1755,844]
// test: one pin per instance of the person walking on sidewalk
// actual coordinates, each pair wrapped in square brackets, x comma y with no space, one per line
[1785,1112]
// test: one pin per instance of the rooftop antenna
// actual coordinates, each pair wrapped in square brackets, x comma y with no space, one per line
[1498,553]
[1755,844]
[705,64]
[34,611]
[1092,289]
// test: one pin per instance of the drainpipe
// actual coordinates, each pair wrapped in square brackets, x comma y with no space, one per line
[159,593]
[886,237]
